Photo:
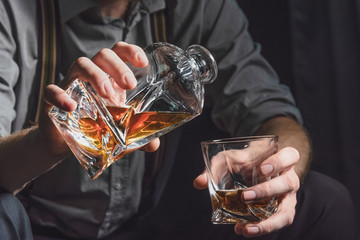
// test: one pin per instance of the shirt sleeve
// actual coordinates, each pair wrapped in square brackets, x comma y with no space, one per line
[247,90]
[9,72]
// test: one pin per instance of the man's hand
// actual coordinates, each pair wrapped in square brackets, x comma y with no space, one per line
[284,186]
[35,150]
[96,71]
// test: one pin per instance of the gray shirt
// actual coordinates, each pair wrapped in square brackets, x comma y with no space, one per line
[246,93]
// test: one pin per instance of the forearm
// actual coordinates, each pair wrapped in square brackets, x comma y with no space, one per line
[290,134]
[23,157]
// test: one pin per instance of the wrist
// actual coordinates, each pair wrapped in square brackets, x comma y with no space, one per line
[49,146]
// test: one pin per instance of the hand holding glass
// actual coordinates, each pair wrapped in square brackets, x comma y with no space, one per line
[232,166]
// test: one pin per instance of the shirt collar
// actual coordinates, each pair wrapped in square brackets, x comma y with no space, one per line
[78,6]
[153,5]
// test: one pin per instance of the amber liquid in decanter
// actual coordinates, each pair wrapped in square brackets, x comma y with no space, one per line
[136,125]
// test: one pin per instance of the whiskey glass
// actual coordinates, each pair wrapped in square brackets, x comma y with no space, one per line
[233,165]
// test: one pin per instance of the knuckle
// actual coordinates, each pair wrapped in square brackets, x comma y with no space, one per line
[292,180]
[82,61]
[137,49]
[104,52]
[289,220]
[266,189]
[49,93]
[297,183]
[265,229]
[119,44]
[93,76]
[125,73]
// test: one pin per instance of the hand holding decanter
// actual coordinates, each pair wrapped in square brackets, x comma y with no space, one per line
[169,93]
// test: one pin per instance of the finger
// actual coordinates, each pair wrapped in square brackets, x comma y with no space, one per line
[280,161]
[131,53]
[54,95]
[282,218]
[152,146]
[201,182]
[87,71]
[239,228]
[112,64]
[287,182]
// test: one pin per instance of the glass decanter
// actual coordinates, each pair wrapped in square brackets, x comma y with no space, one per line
[169,93]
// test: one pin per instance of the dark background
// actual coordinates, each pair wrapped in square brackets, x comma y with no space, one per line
[315,48]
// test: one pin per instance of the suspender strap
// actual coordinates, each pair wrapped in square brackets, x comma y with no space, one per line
[159,26]
[159,34]
[47,22]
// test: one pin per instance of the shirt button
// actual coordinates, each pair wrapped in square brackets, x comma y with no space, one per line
[117,186]
[120,161]
[107,225]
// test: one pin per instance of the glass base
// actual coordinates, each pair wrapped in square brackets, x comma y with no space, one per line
[220,216]
[250,213]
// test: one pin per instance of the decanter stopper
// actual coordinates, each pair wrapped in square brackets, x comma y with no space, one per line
[207,67]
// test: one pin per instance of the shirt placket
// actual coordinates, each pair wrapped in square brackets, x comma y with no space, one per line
[118,200]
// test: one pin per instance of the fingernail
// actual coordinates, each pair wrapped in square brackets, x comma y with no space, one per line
[267,169]
[141,57]
[249,195]
[129,79]
[252,230]
[108,88]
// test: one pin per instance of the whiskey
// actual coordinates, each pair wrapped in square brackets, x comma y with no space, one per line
[141,125]
[135,126]
[230,201]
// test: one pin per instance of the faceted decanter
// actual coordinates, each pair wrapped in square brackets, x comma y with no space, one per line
[169,93]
